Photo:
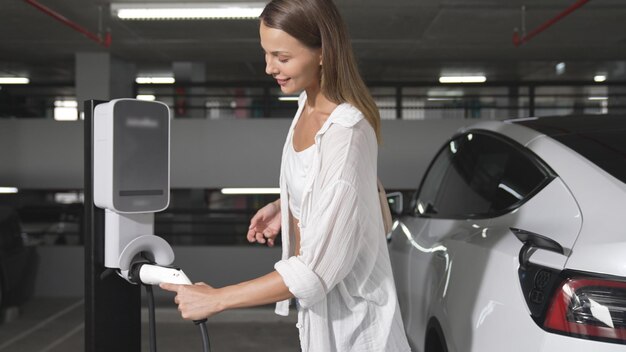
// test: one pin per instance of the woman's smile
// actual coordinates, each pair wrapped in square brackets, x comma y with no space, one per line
[282,81]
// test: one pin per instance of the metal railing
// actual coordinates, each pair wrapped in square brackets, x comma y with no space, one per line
[399,100]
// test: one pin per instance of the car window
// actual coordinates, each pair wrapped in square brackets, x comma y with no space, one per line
[478,175]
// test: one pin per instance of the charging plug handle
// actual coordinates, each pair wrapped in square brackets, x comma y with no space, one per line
[150,274]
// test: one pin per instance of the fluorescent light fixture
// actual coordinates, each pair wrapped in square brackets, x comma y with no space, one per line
[462,79]
[65,110]
[187,11]
[149,97]
[288,98]
[598,98]
[599,78]
[442,99]
[66,103]
[69,197]
[7,190]
[14,80]
[155,80]
[250,190]
[444,94]
[560,68]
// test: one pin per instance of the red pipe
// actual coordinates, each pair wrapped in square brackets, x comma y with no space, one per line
[517,40]
[106,41]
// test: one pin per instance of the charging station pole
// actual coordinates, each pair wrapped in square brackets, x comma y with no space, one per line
[112,305]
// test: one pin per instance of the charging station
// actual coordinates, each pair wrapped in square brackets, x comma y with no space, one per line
[127,180]
[112,306]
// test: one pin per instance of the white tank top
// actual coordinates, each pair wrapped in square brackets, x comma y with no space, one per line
[297,168]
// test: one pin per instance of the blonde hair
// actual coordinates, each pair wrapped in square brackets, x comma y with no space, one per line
[318,24]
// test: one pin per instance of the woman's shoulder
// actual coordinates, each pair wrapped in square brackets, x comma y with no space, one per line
[347,115]
[347,144]
[349,123]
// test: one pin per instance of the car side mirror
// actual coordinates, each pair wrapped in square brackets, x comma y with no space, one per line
[396,203]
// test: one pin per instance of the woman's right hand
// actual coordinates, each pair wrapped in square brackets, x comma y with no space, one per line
[265,224]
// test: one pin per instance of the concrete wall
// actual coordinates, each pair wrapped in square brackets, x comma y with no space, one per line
[39,154]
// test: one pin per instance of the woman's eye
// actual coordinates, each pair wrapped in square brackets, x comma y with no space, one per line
[283,60]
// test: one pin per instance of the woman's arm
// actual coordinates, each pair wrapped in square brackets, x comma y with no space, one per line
[200,301]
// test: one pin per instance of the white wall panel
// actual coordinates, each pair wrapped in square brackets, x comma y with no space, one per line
[39,154]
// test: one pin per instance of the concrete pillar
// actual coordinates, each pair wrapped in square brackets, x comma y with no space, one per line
[513,102]
[100,76]
[617,94]
[189,101]
[580,100]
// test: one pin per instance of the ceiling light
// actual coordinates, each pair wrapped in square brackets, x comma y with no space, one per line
[148,97]
[7,190]
[598,98]
[442,99]
[560,68]
[250,190]
[14,80]
[65,103]
[288,98]
[69,197]
[155,80]
[599,78]
[65,110]
[187,11]
[462,79]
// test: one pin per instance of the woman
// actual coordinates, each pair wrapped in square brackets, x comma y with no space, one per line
[334,257]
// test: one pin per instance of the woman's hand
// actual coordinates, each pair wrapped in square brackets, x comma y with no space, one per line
[195,302]
[265,224]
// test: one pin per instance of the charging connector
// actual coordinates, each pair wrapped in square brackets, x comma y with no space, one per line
[150,274]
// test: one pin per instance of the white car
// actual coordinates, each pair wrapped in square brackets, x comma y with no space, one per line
[516,239]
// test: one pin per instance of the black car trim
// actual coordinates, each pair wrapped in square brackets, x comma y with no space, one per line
[534,158]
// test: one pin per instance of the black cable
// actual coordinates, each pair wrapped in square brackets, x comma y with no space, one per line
[152,320]
[206,343]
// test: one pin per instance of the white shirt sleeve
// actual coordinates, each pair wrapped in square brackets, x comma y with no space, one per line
[331,247]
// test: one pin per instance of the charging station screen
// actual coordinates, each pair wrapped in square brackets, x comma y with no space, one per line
[141,156]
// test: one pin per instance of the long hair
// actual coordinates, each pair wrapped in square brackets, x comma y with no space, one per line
[318,24]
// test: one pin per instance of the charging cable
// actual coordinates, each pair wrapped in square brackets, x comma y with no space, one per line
[148,275]
[206,343]
[151,319]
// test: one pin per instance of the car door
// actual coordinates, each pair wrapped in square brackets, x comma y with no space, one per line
[475,177]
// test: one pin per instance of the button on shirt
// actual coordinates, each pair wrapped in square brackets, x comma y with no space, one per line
[342,278]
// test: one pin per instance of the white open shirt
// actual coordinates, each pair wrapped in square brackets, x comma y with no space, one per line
[342,277]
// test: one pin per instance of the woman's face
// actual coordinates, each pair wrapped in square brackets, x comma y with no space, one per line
[294,66]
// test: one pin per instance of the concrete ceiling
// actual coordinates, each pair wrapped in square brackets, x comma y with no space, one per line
[394,40]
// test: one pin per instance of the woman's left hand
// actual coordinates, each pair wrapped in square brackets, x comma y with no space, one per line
[195,302]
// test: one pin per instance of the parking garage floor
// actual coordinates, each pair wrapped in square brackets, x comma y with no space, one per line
[57,324]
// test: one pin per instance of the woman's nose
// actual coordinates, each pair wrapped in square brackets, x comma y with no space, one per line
[269,68]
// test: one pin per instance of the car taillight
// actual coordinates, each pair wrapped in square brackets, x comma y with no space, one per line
[589,308]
